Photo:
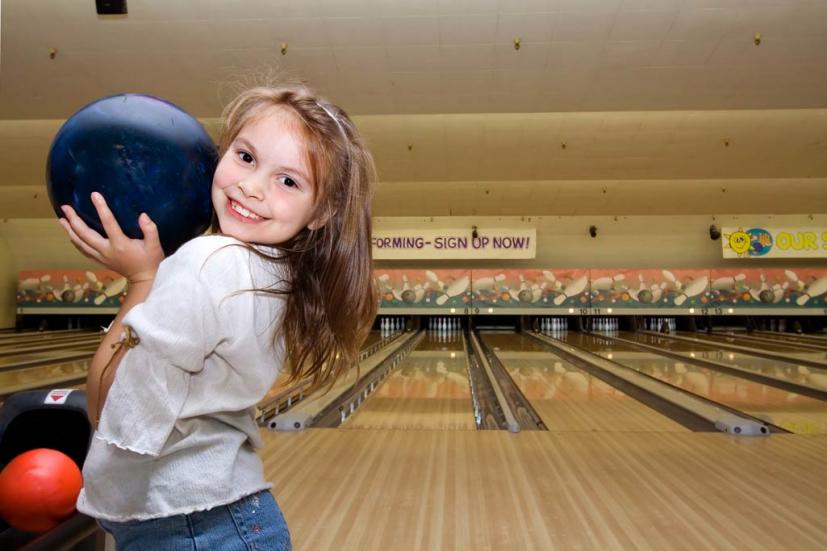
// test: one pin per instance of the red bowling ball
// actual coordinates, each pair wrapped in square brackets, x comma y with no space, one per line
[38,490]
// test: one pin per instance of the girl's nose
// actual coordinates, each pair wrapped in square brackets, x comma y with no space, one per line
[251,188]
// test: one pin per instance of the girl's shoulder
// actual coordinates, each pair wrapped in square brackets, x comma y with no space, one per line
[221,255]
[207,244]
[199,253]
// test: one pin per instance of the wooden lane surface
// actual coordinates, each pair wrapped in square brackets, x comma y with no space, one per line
[395,489]
[67,341]
[26,336]
[789,410]
[429,390]
[50,356]
[566,397]
[813,338]
[788,349]
[281,381]
[423,393]
[52,374]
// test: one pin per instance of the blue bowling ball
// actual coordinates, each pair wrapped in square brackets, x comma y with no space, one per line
[143,154]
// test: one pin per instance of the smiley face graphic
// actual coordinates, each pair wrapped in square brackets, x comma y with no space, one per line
[739,241]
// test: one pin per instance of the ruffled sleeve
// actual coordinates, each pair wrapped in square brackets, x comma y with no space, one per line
[177,327]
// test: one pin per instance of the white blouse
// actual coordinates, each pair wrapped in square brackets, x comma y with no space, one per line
[177,433]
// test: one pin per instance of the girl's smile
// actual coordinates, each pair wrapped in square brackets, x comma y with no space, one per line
[237,210]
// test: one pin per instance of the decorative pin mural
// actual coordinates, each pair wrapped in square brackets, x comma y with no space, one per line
[70,288]
[423,288]
[675,288]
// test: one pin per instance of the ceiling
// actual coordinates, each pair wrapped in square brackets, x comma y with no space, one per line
[606,102]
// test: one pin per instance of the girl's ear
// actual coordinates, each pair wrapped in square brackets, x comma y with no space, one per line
[317,223]
[320,221]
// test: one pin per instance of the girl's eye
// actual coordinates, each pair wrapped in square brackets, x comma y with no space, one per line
[288,181]
[245,157]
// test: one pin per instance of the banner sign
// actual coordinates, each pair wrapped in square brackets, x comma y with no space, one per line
[454,243]
[774,242]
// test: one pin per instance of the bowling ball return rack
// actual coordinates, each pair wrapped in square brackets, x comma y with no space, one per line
[54,419]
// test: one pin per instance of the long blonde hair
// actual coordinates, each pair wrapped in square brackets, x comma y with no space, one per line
[330,296]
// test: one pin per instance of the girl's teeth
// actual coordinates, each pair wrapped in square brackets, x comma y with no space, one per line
[244,212]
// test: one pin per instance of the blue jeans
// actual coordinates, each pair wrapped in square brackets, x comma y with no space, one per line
[249,524]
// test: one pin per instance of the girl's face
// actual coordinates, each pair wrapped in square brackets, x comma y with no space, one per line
[263,190]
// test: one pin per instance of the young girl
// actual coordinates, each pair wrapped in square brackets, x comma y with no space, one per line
[202,335]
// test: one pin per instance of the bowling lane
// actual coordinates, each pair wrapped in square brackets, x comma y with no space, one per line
[429,390]
[808,339]
[50,356]
[86,343]
[791,411]
[372,338]
[53,374]
[281,382]
[788,371]
[819,336]
[12,335]
[34,339]
[787,349]
[566,397]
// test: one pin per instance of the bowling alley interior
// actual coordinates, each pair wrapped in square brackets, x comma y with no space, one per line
[599,247]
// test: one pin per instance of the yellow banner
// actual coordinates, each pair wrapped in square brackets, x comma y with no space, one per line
[454,243]
[754,242]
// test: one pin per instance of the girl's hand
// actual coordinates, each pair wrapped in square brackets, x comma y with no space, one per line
[135,259]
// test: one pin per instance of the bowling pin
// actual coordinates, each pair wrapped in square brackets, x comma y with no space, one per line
[670,277]
[33,283]
[482,284]
[574,288]
[434,279]
[114,288]
[692,289]
[456,288]
[793,277]
[420,290]
[606,283]
[816,288]
[59,292]
[537,291]
[778,291]
[633,293]
[93,281]
[728,283]
[756,292]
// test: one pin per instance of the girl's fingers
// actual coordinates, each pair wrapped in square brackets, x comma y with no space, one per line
[84,233]
[110,225]
[149,229]
[78,243]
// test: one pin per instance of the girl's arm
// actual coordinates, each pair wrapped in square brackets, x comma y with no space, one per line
[108,356]
[135,259]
